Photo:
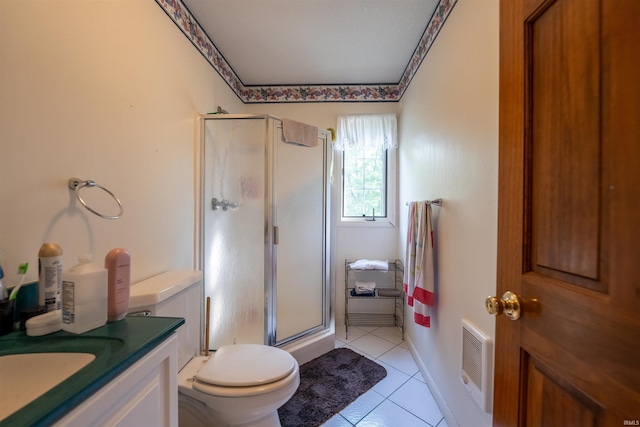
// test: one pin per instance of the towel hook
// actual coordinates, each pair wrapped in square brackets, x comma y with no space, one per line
[77,184]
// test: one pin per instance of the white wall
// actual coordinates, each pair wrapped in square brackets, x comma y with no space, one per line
[449,148]
[108,91]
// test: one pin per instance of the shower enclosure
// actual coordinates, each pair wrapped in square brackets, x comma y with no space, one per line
[264,232]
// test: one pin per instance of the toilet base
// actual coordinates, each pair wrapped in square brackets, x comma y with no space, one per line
[255,406]
[193,413]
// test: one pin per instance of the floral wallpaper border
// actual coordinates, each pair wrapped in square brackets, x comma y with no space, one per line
[183,18]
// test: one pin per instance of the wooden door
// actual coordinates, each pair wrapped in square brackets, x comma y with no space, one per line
[569,213]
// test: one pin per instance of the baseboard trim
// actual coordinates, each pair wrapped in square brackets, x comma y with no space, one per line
[446,413]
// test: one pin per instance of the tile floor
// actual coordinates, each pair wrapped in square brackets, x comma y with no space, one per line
[402,398]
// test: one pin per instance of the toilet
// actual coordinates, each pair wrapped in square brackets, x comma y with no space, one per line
[237,385]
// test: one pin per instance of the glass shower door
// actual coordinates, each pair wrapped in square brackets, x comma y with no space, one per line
[234,229]
[300,215]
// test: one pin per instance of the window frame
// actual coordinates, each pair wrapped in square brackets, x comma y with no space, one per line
[391,192]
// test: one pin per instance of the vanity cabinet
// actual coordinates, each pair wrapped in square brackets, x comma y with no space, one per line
[370,310]
[146,394]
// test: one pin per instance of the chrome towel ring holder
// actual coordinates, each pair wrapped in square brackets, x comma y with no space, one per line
[77,184]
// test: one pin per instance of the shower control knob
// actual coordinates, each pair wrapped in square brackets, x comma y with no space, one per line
[509,304]
[222,204]
[215,204]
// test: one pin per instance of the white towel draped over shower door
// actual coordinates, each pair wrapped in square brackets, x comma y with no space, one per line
[418,274]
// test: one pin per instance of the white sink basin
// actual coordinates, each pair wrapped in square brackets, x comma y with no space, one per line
[27,376]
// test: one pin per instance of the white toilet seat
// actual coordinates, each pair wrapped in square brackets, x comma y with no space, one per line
[222,391]
[246,365]
[254,369]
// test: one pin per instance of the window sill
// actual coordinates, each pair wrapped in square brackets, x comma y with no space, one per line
[361,223]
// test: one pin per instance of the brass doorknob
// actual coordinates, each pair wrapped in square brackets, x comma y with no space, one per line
[509,304]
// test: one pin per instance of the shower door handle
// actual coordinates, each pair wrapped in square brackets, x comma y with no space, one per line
[276,234]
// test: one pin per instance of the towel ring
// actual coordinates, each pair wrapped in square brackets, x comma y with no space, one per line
[77,184]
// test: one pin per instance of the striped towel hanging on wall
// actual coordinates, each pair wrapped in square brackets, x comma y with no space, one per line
[418,280]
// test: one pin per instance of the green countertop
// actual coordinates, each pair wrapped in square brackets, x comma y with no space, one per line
[116,345]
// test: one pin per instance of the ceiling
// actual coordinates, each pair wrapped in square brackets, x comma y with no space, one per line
[312,50]
[292,42]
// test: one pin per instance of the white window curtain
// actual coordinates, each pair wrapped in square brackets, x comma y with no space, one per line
[367,130]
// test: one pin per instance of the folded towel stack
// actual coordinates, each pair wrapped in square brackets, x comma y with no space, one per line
[366,294]
[364,288]
[394,293]
[366,264]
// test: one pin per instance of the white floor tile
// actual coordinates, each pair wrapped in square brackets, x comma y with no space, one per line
[400,359]
[362,406]
[392,340]
[418,376]
[389,333]
[364,328]
[415,397]
[392,381]
[372,345]
[402,398]
[355,332]
[385,331]
[337,421]
[388,414]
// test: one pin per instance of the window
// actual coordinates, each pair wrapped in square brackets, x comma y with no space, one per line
[368,145]
[364,182]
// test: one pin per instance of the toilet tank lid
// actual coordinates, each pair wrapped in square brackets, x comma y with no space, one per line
[161,287]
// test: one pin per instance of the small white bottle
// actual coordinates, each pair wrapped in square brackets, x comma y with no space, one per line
[84,296]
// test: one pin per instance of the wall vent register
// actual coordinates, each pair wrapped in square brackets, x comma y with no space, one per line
[476,372]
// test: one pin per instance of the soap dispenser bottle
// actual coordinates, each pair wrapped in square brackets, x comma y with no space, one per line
[118,265]
[84,296]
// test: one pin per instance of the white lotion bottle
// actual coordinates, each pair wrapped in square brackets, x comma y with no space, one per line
[118,265]
[84,296]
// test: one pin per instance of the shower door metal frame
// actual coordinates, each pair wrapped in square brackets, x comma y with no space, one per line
[270,250]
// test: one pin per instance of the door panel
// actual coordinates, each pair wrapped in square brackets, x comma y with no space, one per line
[546,389]
[569,213]
[563,56]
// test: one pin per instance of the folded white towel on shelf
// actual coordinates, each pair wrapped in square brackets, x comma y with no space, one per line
[365,287]
[366,264]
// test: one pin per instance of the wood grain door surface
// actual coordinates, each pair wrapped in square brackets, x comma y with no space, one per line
[569,213]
